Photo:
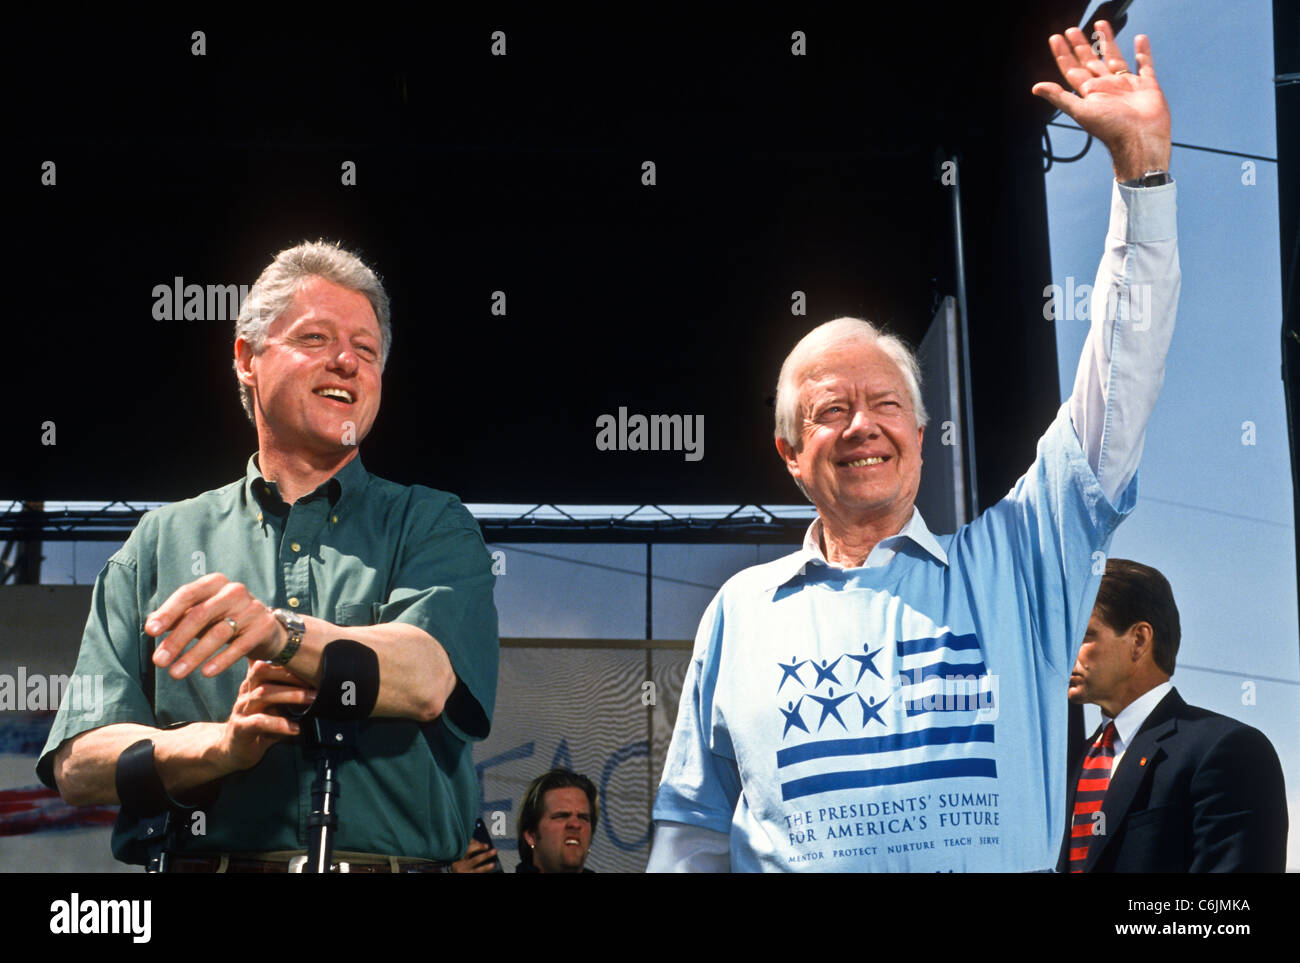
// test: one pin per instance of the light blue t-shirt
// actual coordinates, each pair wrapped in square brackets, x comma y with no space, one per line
[903,718]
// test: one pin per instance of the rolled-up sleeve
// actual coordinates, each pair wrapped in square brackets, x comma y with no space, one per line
[106,686]
[442,583]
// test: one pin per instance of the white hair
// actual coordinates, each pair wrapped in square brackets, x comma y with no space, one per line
[824,337]
[275,288]
[835,334]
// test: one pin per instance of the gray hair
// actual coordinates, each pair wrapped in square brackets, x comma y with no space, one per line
[834,334]
[275,288]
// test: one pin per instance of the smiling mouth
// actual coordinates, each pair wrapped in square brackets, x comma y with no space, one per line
[336,394]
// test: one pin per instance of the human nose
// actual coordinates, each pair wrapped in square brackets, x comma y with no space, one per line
[860,422]
[344,359]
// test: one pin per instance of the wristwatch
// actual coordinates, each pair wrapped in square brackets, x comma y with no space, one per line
[1155,178]
[296,627]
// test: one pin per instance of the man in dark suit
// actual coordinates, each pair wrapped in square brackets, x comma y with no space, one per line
[1162,787]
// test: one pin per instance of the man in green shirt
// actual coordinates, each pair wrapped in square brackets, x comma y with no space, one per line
[307,548]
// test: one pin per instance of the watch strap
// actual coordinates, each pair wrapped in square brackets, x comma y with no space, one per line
[296,628]
[1153,178]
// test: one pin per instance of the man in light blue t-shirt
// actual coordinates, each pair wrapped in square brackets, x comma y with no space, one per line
[886,699]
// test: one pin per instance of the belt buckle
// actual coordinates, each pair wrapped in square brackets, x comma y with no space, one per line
[296,864]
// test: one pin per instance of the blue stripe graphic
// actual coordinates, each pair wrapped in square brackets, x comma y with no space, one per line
[940,736]
[868,778]
[949,702]
[962,671]
[956,643]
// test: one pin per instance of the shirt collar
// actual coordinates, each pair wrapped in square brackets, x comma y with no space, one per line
[347,481]
[881,554]
[1131,717]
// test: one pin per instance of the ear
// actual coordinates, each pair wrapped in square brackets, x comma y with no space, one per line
[789,456]
[1142,636]
[530,839]
[244,356]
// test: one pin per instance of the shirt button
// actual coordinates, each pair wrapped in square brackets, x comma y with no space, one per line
[293,602]
[296,547]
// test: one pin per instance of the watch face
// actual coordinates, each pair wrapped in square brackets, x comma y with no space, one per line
[290,620]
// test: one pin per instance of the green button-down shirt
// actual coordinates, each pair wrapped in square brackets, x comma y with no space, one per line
[358,550]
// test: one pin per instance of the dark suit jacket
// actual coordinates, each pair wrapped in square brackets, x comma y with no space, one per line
[1196,792]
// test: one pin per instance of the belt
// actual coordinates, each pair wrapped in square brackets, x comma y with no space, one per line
[295,864]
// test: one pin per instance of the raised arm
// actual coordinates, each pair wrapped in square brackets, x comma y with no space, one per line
[1135,298]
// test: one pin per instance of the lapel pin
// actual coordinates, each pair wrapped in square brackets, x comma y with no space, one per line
[1142,761]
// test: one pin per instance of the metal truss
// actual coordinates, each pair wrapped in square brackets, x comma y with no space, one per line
[114,521]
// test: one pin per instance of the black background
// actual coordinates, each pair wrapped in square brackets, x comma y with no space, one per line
[521,173]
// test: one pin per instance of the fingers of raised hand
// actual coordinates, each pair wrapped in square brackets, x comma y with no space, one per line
[1142,48]
[1079,54]
[165,617]
[228,617]
[1067,61]
[1106,50]
[1084,54]
[253,626]
[1081,62]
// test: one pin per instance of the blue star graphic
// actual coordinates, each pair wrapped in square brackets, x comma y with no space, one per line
[791,671]
[825,672]
[866,662]
[830,707]
[792,717]
[871,710]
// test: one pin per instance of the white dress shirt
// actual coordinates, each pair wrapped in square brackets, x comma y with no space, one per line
[1131,717]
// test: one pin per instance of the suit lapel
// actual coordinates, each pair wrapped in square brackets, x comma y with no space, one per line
[1141,757]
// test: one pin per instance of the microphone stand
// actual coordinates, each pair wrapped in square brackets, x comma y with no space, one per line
[347,694]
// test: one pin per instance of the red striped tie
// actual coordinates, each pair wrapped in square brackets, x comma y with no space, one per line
[1094,779]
